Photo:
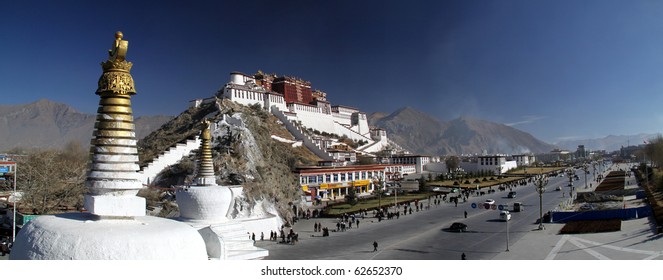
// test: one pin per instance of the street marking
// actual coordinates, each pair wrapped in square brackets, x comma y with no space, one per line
[588,250]
[653,254]
[558,246]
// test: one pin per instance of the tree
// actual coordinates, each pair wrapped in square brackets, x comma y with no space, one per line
[362,160]
[351,197]
[49,179]
[452,162]
[422,183]
[654,150]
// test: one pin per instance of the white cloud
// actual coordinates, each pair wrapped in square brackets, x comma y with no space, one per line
[526,120]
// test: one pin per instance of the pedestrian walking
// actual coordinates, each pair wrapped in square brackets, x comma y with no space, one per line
[463,257]
[375,246]
[465,214]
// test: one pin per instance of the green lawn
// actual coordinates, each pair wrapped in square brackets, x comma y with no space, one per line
[472,184]
[370,203]
[522,174]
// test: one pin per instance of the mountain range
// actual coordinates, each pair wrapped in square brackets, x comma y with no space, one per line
[608,143]
[422,133]
[48,124]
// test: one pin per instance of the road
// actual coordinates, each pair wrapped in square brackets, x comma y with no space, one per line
[423,235]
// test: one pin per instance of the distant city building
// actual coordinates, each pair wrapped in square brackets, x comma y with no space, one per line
[554,156]
[580,152]
[418,161]
[7,168]
[524,160]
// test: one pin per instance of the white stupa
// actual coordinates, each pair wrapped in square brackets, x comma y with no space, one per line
[205,206]
[116,226]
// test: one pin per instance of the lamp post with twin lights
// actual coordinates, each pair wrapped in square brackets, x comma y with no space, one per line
[570,172]
[540,181]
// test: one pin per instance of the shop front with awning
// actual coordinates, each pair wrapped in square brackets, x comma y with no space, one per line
[362,186]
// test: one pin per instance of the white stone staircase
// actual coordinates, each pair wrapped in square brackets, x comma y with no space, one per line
[301,135]
[351,133]
[237,241]
[169,157]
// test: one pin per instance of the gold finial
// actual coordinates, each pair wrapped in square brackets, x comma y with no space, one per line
[206,134]
[116,78]
[119,50]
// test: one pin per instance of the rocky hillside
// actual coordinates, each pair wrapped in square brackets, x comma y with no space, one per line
[243,151]
[425,134]
[48,124]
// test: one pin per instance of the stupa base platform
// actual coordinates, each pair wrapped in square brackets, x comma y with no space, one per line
[113,206]
[83,236]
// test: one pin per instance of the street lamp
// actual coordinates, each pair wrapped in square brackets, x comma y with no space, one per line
[507,232]
[540,181]
[570,172]
[585,167]
[14,219]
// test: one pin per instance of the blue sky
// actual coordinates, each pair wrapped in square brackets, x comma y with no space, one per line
[556,69]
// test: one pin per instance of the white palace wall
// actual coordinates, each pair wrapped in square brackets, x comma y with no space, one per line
[339,122]
[313,118]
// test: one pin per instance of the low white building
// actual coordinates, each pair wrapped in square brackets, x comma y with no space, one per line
[495,163]
[418,161]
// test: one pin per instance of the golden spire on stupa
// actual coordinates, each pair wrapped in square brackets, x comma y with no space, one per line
[113,180]
[205,175]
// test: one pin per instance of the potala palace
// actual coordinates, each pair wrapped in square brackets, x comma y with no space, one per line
[293,101]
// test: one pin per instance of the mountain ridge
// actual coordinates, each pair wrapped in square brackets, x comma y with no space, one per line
[463,135]
[49,124]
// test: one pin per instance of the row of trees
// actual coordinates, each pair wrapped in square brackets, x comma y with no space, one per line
[654,151]
[51,180]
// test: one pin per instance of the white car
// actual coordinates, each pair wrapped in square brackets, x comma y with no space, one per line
[490,201]
[505,215]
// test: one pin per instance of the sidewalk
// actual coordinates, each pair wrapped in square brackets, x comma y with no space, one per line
[635,241]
